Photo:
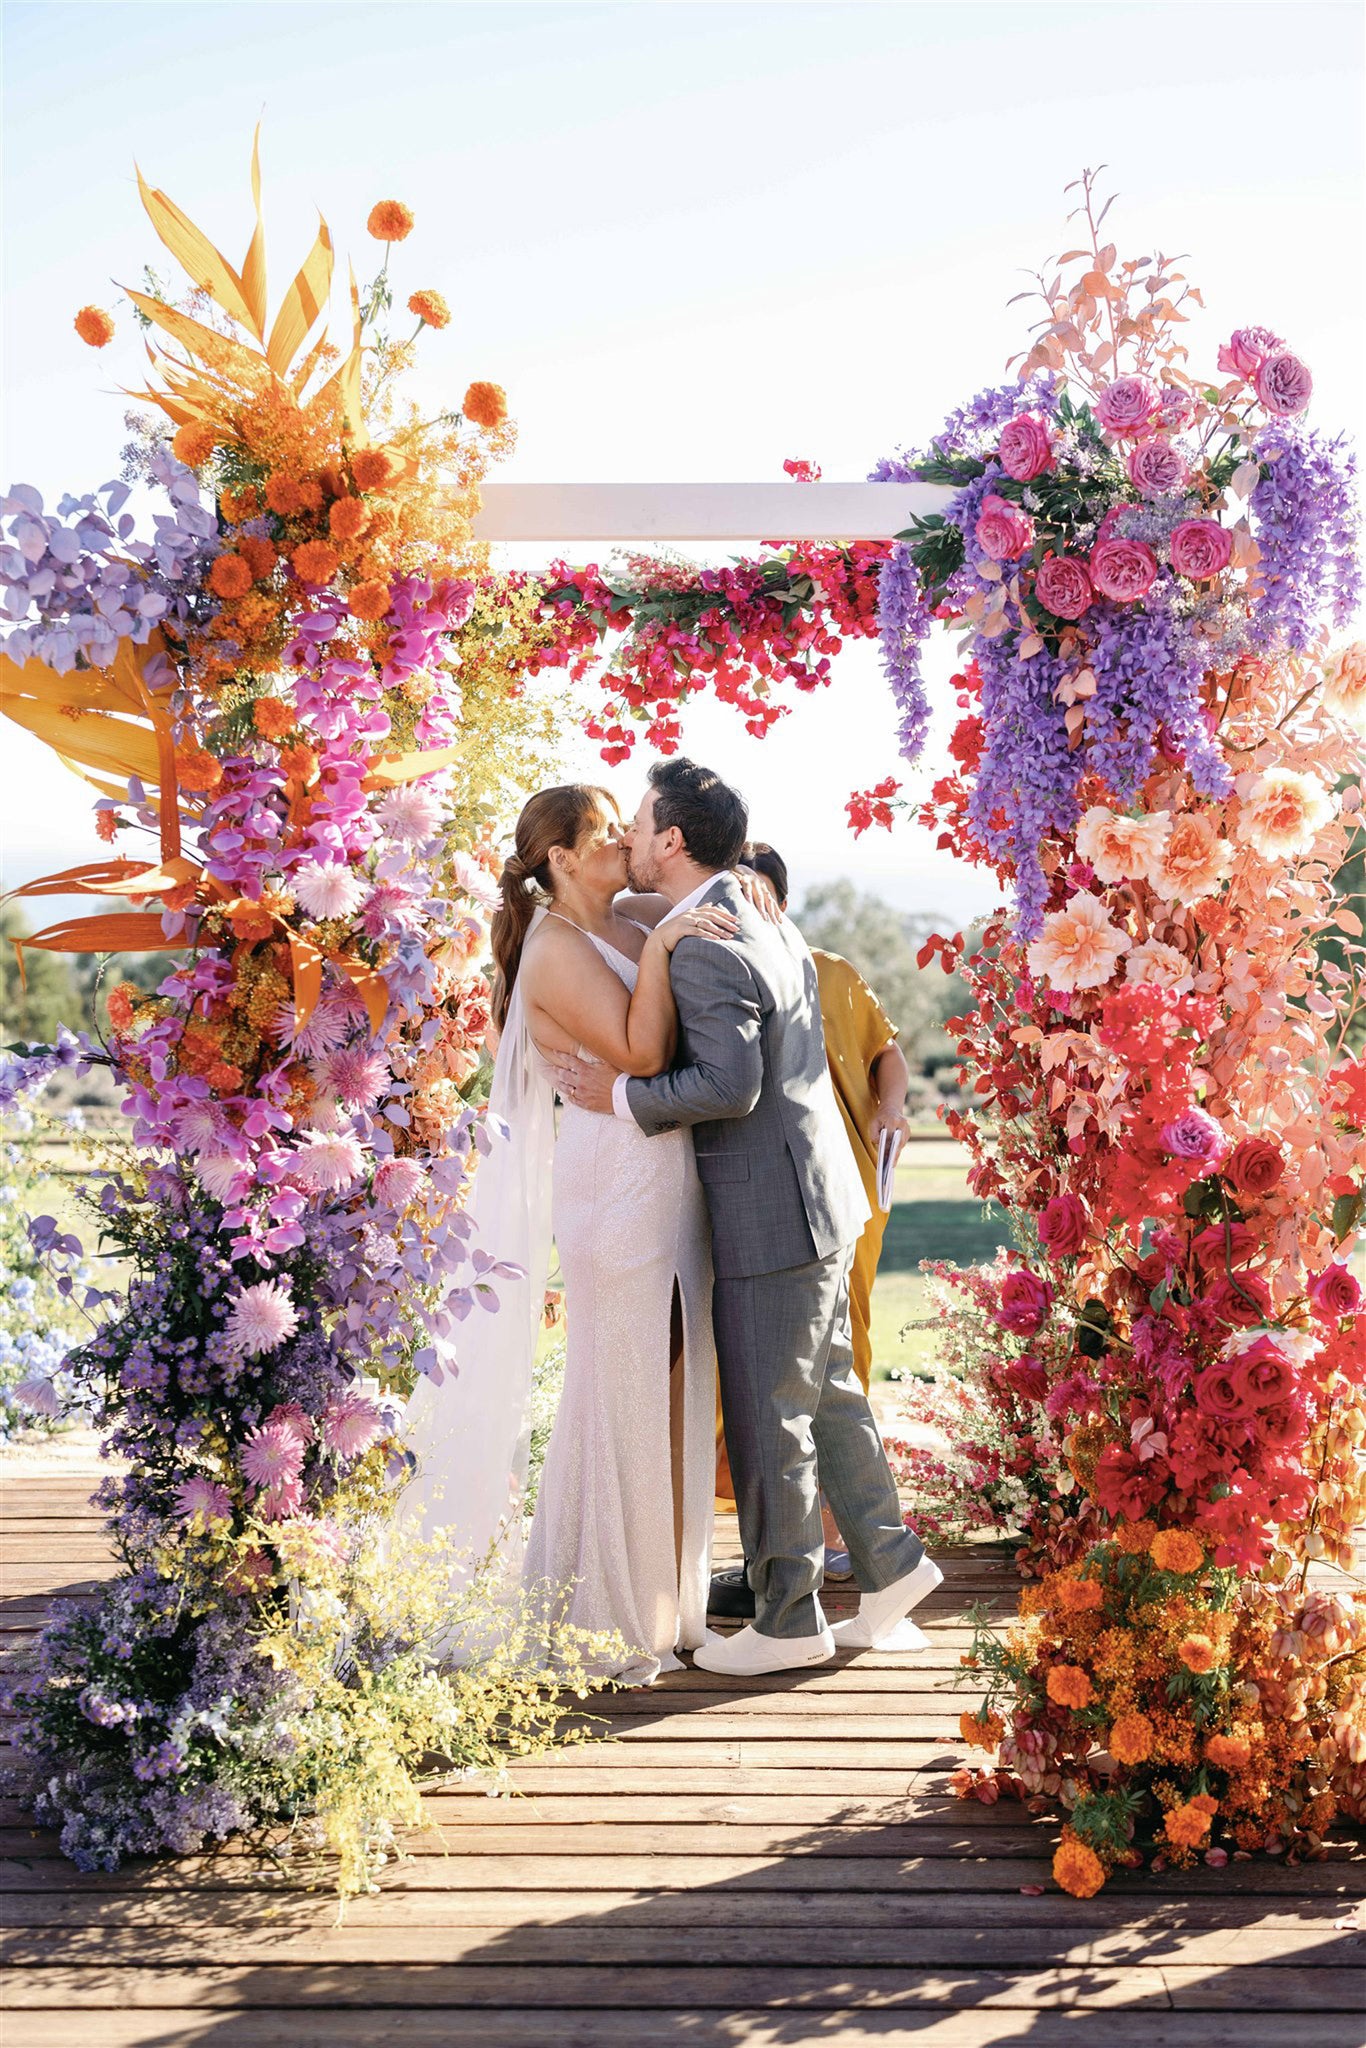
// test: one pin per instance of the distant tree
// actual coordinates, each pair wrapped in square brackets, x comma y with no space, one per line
[31,1014]
[882,943]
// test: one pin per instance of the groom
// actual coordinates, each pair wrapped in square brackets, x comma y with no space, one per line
[786,1208]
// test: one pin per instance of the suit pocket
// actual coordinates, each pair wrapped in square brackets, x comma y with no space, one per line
[722,1166]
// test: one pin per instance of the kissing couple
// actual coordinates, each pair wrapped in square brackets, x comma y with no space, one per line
[705,1205]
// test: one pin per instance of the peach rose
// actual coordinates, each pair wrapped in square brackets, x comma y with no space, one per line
[1194,860]
[1078,947]
[1282,812]
[1122,849]
[1344,682]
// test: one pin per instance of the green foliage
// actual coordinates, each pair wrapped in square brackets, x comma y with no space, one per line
[30,1015]
[881,942]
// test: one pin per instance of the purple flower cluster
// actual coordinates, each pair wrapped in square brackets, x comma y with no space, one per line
[1307,523]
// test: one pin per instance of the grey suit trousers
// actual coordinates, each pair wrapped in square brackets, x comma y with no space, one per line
[788,1390]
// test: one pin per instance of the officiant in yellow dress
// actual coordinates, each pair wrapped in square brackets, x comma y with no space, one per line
[870,1075]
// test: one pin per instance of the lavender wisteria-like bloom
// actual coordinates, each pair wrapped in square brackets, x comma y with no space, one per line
[1308,528]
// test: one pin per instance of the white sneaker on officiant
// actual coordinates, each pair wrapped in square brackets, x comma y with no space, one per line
[882,1620]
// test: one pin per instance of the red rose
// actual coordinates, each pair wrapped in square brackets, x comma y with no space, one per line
[1221,1245]
[1254,1166]
[1064,1226]
[1219,1395]
[1026,1377]
[1335,1293]
[1263,1375]
[1281,1427]
[1025,1302]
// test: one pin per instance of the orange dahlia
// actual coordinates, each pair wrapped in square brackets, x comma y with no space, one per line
[1197,1653]
[1176,1550]
[371,469]
[230,576]
[390,221]
[258,554]
[95,326]
[1229,1752]
[1131,1739]
[1077,1868]
[346,520]
[273,718]
[431,309]
[193,443]
[369,600]
[1069,1686]
[315,561]
[485,405]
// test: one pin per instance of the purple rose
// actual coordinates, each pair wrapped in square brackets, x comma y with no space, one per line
[1175,409]
[1246,349]
[1025,450]
[1200,548]
[1194,1135]
[1123,569]
[1283,383]
[1063,587]
[1155,467]
[1127,406]
[1003,530]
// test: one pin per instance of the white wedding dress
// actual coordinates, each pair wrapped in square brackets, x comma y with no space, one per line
[621,1536]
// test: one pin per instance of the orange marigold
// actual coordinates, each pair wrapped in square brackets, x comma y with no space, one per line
[390,221]
[299,762]
[369,601]
[311,494]
[273,718]
[1188,1825]
[371,469]
[224,1078]
[1197,1653]
[121,1001]
[485,405]
[1134,1537]
[1177,1550]
[193,443]
[981,1731]
[282,495]
[347,518]
[196,769]
[95,326]
[1077,1868]
[238,505]
[430,308]
[259,555]
[1229,1752]
[1069,1686]
[230,576]
[1080,1596]
[316,561]
[251,921]
[1132,1739]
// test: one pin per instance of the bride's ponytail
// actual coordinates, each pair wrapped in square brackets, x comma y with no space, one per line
[553,817]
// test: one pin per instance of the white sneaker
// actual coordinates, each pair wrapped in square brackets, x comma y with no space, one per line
[747,1654]
[880,1623]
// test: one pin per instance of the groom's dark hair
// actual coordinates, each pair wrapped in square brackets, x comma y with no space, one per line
[710,814]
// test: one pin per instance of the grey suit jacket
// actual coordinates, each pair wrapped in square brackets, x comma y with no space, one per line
[752,1081]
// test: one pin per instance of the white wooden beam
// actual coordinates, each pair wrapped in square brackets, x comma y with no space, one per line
[702,512]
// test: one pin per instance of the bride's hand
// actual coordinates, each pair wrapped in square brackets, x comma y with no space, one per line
[758,894]
[708,921]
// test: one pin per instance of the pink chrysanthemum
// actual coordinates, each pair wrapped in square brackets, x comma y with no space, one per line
[327,1161]
[410,815]
[272,1457]
[390,906]
[221,1176]
[201,1496]
[350,1423]
[398,1182]
[326,889]
[292,1416]
[275,1503]
[262,1317]
[325,1030]
[359,1077]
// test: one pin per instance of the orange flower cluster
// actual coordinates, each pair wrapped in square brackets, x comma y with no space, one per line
[95,326]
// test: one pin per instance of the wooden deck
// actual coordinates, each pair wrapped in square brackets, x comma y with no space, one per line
[778,1864]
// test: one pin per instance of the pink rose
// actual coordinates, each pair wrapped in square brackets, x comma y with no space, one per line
[1218,1394]
[1063,1226]
[1263,1375]
[1246,349]
[1123,569]
[1063,587]
[1194,1135]
[1025,1301]
[1175,409]
[1003,530]
[1127,406]
[1283,384]
[1335,1293]
[1155,467]
[1200,549]
[1025,450]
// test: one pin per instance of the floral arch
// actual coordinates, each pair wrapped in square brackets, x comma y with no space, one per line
[308,685]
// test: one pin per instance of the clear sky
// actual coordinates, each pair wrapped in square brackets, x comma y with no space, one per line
[690,239]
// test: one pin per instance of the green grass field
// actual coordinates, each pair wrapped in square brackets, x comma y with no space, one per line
[933,1217]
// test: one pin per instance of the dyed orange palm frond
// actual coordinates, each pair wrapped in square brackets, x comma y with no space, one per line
[114,931]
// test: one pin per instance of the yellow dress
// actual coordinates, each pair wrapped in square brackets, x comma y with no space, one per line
[856,1030]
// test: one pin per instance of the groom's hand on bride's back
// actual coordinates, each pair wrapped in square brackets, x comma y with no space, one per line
[585,1083]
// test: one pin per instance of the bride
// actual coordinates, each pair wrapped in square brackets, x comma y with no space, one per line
[624,1513]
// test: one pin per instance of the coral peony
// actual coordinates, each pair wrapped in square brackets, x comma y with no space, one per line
[1194,860]
[1070,1686]
[390,221]
[1283,383]
[1077,1868]
[1025,449]
[1003,531]
[1344,682]
[1157,965]
[430,308]
[485,405]
[1200,549]
[1121,569]
[261,1318]
[1132,1739]
[95,326]
[1079,947]
[315,561]
[1062,586]
[1177,1550]
[194,443]
[1156,467]
[1127,407]
[1122,849]
[1282,812]
[230,576]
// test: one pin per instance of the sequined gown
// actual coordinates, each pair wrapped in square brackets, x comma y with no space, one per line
[624,1510]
